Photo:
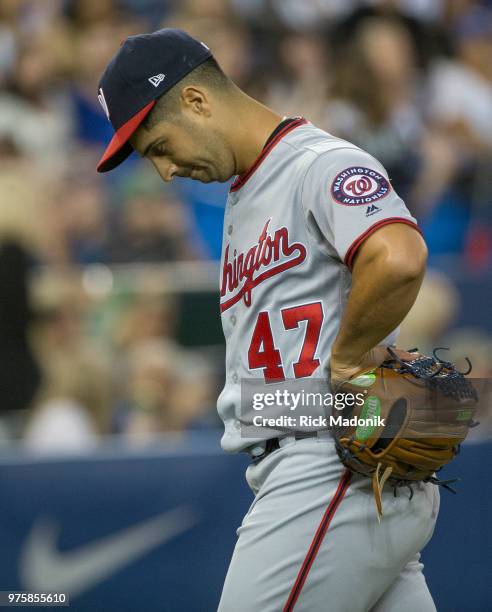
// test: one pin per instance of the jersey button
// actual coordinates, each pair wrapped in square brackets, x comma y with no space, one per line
[233,319]
[235,377]
[234,199]
[229,230]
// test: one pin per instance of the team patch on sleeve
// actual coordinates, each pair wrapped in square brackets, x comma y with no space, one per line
[357,185]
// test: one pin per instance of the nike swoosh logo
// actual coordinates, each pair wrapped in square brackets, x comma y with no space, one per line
[44,568]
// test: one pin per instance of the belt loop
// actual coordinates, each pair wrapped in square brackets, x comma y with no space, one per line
[287,440]
[261,450]
[257,451]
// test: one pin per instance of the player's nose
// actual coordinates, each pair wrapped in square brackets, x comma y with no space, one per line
[166,169]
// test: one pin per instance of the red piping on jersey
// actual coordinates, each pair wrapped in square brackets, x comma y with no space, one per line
[317,540]
[349,257]
[241,179]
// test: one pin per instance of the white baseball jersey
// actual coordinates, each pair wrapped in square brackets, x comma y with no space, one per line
[292,226]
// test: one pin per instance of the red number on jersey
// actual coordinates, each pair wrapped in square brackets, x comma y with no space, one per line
[262,352]
[313,314]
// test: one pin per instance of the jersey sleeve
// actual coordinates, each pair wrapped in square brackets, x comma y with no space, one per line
[347,195]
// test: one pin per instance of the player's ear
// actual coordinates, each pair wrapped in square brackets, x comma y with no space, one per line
[195,99]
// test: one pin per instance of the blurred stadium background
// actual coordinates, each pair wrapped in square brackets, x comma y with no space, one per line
[110,340]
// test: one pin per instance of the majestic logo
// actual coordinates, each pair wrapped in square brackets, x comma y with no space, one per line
[156,79]
[102,101]
[372,210]
[244,272]
[356,185]
[44,567]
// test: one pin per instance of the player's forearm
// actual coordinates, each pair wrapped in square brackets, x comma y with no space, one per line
[384,288]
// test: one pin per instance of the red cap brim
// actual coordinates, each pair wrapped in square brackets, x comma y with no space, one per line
[119,148]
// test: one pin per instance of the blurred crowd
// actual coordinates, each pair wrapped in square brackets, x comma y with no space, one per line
[410,81]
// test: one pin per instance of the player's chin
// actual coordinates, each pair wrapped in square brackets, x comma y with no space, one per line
[202,175]
[204,179]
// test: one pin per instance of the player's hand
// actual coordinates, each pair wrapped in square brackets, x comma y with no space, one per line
[342,370]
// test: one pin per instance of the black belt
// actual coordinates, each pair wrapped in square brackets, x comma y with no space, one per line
[273,444]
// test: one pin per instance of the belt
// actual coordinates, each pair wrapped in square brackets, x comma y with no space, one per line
[259,452]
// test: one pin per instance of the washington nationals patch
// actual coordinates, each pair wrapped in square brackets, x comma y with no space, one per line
[355,186]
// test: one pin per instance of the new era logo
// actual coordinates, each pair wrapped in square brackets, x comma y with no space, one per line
[156,79]
[371,210]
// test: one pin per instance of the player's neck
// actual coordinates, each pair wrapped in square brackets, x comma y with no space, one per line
[255,122]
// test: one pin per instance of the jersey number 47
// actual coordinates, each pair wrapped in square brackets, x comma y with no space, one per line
[263,354]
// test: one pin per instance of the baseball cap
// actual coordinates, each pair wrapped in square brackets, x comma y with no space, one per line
[145,67]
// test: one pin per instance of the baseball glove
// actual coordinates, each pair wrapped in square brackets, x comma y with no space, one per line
[416,413]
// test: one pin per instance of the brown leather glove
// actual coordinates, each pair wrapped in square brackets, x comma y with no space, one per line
[416,413]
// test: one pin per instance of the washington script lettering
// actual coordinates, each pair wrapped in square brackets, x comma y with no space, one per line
[245,268]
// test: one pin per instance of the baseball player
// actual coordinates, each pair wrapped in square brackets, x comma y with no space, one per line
[321,261]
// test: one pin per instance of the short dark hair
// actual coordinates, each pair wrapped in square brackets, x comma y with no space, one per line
[209,73]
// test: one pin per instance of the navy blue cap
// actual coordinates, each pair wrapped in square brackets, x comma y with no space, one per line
[145,67]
